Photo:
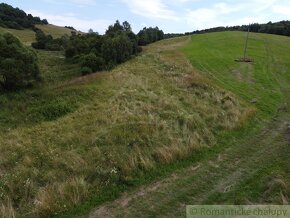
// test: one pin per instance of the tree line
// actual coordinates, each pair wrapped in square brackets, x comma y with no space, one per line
[19,66]
[172,35]
[47,42]
[278,28]
[149,35]
[94,52]
[15,18]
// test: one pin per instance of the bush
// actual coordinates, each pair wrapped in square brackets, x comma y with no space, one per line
[48,42]
[18,64]
[70,52]
[92,61]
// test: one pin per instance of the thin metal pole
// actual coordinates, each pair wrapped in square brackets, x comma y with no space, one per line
[246,45]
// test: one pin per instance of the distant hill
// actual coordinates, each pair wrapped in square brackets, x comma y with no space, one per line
[55,31]
[278,28]
[15,18]
[27,36]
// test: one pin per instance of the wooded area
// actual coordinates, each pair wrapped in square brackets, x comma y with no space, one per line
[17,19]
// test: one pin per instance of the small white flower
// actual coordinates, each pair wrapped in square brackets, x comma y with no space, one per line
[114,170]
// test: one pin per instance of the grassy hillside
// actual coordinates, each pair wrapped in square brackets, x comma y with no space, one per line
[68,139]
[55,31]
[74,139]
[26,36]
[252,167]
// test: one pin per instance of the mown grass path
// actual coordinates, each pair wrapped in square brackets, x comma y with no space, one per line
[252,170]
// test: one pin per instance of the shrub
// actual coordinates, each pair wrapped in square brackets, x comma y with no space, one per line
[18,64]
[92,61]
[41,40]
[118,49]
[70,52]
[48,42]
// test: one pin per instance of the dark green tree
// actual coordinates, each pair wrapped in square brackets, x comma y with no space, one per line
[149,35]
[115,29]
[279,28]
[97,52]
[48,42]
[127,26]
[93,62]
[41,40]
[18,64]
[17,19]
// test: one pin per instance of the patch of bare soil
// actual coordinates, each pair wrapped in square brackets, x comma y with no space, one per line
[239,75]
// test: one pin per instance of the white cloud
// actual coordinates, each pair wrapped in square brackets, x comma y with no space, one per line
[69,19]
[151,9]
[282,10]
[235,13]
[262,5]
[176,15]
[201,18]
[224,8]
[211,17]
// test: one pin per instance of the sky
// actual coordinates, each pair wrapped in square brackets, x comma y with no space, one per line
[172,16]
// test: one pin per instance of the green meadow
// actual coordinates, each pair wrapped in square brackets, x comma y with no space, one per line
[182,120]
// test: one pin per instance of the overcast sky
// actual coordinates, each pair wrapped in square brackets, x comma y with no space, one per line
[169,15]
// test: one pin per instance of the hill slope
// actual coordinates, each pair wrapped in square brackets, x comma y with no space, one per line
[55,31]
[253,168]
[74,139]
[266,80]
[146,113]
[27,36]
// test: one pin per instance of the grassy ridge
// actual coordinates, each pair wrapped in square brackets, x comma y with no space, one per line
[87,136]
